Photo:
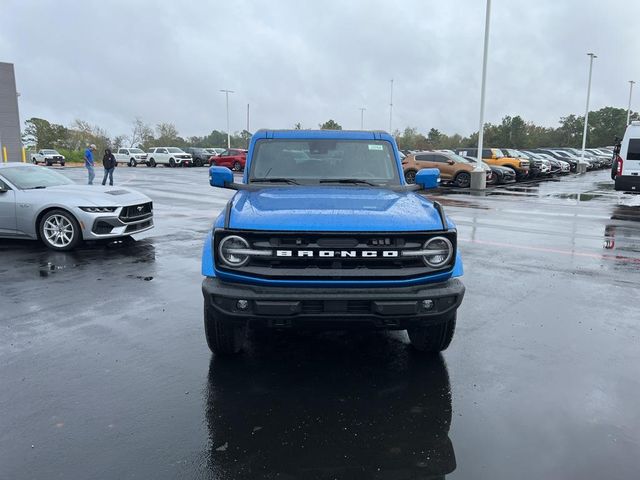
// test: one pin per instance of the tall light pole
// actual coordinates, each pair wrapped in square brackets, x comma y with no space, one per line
[478,176]
[362,109]
[582,166]
[631,82]
[227,92]
[391,108]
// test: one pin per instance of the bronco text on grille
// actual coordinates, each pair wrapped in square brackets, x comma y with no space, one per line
[330,255]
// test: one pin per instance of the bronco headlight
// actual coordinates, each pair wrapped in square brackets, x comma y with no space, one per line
[232,250]
[437,252]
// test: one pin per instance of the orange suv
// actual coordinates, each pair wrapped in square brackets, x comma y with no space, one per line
[453,168]
[495,156]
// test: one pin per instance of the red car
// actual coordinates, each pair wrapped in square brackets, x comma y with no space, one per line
[233,158]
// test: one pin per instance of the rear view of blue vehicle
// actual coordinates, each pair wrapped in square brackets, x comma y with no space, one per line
[323,233]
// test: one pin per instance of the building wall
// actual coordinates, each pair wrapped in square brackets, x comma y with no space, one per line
[9,117]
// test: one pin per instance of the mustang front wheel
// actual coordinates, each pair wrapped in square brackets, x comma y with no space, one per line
[59,230]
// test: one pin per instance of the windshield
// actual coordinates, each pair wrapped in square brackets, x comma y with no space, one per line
[135,150]
[50,152]
[174,150]
[26,178]
[316,161]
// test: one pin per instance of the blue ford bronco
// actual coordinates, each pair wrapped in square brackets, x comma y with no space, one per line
[324,233]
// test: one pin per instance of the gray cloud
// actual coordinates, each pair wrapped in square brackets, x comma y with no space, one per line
[297,61]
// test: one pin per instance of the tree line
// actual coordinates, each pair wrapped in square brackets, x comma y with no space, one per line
[513,132]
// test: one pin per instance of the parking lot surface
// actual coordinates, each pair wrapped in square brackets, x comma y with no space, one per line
[104,370]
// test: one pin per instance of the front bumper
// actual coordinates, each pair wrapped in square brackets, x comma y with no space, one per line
[105,226]
[334,308]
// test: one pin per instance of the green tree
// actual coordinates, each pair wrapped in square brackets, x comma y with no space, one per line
[330,125]
[43,134]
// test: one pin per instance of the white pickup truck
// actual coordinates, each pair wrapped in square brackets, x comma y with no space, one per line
[48,157]
[131,156]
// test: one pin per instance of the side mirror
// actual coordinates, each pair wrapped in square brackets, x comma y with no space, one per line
[450,162]
[428,178]
[3,189]
[220,177]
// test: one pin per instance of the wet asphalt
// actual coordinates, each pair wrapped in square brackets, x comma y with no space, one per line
[105,374]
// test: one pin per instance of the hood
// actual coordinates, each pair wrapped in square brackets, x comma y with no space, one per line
[333,208]
[93,195]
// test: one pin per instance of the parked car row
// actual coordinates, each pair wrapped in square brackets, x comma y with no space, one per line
[233,158]
[503,165]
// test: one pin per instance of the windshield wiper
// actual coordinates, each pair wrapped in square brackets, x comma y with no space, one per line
[36,187]
[274,179]
[347,180]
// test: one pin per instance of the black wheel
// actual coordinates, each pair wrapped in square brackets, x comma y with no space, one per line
[223,338]
[463,180]
[62,164]
[410,176]
[433,338]
[172,163]
[198,162]
[614,169]
[152,163]
[34,161]
[493,179]
[132,162]
[48,163]
[237,166]
[59,230]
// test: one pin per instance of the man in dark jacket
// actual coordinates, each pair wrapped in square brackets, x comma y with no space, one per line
[109,163]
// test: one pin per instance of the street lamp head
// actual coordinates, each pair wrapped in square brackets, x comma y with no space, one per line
[592,55]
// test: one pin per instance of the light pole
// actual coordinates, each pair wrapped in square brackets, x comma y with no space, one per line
[227,92]
[478,175]
[582,166]
[362,109]
[631,82]
[391,108]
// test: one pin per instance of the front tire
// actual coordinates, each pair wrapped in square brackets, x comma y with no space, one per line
[237,166]
[223,338]
[198,162]
[172,163]
[132,162]
[62,164]
[433,338]
[59,230]
[152,163]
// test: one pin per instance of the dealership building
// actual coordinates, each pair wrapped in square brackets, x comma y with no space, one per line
[10,138]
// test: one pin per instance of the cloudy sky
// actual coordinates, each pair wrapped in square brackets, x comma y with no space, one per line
[304,61]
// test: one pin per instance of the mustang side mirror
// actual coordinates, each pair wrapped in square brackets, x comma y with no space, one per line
[220,177]
[428,178]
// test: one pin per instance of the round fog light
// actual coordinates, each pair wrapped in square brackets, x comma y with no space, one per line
[427,304]
[242,304]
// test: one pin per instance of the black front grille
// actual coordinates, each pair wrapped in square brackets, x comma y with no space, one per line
[135,213]
[346,262]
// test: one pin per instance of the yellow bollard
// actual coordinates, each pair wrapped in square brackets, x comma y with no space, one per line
[24,155]
[4,154]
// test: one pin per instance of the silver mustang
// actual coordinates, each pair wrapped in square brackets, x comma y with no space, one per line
[39,203]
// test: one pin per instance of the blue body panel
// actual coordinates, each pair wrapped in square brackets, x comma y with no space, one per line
[333,209]
[330,209]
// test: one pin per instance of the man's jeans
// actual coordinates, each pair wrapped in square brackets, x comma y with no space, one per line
[92,173]
[108,172]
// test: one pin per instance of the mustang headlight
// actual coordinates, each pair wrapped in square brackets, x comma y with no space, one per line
[231,250]
[98,209]
[437,252]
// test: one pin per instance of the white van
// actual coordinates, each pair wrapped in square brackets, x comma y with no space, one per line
[626,169]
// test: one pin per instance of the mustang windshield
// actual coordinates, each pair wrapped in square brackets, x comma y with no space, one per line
[26,178]
[315,161]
